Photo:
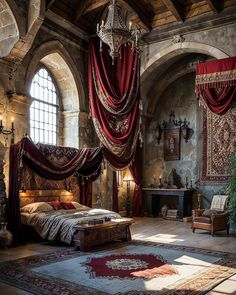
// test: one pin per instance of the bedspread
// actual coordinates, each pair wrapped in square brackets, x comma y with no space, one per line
[59,224]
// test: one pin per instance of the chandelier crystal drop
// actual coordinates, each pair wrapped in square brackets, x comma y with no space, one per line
[115,32]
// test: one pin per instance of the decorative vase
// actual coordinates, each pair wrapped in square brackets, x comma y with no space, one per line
[5,235]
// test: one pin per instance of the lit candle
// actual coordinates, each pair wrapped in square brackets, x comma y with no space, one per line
[130,25]
[12,123]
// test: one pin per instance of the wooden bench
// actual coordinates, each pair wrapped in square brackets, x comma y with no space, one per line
[87,235]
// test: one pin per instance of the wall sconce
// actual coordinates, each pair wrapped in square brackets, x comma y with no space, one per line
[5,132]
[185,130]
[158,133]
[128,178]
[69,187]
[22,189]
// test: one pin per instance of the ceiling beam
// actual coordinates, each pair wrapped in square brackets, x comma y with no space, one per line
[49,4]
[80,9]
[174,8]
[95,5]
[214,5]
[143,10]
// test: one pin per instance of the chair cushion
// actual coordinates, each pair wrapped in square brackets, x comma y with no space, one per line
[202,219]
[209,212]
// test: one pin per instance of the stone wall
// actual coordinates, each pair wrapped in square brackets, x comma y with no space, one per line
[168,77]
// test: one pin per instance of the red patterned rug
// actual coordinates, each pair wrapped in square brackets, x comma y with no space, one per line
[219,138]
[129,268]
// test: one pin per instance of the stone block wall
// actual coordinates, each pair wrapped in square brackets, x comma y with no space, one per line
[167,83]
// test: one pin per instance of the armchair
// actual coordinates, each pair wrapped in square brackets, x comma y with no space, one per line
[213,219]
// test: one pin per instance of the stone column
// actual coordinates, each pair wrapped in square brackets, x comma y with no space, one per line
[70,130]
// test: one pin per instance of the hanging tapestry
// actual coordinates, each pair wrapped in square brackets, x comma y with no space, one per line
[219,138]
[216,84]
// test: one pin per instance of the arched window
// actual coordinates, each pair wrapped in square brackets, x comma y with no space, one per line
[44,108]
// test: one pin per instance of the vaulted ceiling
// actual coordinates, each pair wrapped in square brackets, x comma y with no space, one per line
[152,15]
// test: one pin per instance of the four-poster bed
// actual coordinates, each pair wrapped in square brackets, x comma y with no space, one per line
[59,214]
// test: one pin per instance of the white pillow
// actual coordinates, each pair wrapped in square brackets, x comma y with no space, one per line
[79,206]
[37,207]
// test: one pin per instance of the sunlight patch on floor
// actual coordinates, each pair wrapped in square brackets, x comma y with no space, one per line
[185,259]
[163,238]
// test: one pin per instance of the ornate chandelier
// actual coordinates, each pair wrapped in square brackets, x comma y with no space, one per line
[115,32]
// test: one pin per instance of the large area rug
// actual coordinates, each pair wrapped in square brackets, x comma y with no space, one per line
[129,268]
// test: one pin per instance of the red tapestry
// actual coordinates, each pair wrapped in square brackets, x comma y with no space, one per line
[30,180]
[129,266]
[216,84]
[219,138]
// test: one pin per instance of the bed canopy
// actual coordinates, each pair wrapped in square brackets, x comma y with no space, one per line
[84,163]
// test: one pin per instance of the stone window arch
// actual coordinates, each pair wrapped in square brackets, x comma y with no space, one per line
[44,109]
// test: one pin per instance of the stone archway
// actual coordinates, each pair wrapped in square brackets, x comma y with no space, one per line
[160,58]
[55,57]
[63,60]
[176,49]
[9,31]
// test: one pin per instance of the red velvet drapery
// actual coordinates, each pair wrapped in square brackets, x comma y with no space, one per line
[86,162]
[114,101]
[115,106]
[136,170]
[115,206]
[216,84]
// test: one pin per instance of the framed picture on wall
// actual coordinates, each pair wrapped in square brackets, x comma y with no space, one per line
[172,144]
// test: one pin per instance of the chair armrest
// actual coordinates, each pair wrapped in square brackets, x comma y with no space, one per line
[218,216]
[197,212]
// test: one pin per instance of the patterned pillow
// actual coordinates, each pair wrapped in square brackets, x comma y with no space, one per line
[79,206]
[67,205]
[37,207]
[56,205]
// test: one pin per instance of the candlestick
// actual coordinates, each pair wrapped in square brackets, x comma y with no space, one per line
[102,23]
[186,184]
[97,27]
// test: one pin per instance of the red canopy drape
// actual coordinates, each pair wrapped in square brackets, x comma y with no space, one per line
[216,84]
[115,204]
[114,101]
[86,162]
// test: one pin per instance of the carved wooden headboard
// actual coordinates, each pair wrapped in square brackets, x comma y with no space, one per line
[32,196]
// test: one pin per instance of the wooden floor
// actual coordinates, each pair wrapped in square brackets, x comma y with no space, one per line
[149,229]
